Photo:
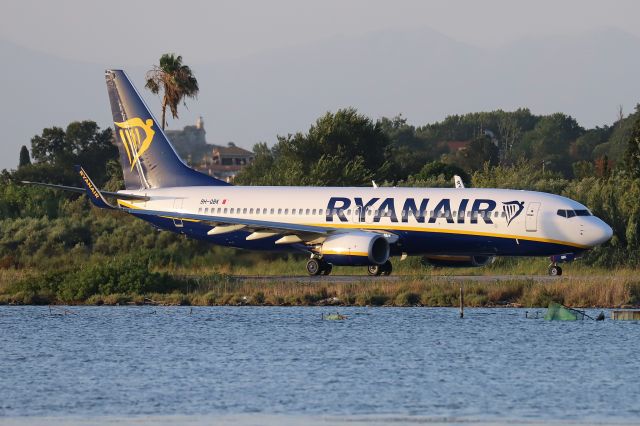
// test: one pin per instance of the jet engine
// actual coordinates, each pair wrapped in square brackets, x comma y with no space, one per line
[457,261]
[355,249]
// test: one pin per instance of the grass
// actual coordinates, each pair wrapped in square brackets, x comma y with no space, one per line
[582,286]
[295,266]
[618,291]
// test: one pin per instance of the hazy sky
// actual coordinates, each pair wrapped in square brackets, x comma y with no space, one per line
[272,67]
[128,32]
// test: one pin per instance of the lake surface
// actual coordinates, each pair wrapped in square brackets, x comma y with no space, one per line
[380,364]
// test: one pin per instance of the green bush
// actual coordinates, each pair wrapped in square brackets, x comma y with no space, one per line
[118,276]
[407,298]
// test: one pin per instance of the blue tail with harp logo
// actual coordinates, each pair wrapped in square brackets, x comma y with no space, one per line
[148,160]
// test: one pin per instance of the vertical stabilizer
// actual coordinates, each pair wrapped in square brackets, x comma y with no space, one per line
[148,160]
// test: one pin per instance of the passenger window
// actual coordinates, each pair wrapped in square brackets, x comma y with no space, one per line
[307,212]
[244,211]
[293,211]
[232,210]
[225,210]
[300,211]
[286,211]
[200,210]
[496,214]
[206,210]
[264,211]
[272,211]
[314,212]
[320,211]
[349,212]
[219,210]
[250,211]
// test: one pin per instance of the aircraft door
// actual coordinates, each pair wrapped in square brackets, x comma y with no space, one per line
[177,205]
[531,218]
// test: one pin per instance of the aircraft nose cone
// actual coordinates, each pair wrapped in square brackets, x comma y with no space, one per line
[600,233]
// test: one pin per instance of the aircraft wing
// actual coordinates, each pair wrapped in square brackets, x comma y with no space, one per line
[222,224]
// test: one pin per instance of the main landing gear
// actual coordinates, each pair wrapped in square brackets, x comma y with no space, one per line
[384,269]
[318,267]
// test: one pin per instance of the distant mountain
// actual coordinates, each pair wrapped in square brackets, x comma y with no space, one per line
[420,73]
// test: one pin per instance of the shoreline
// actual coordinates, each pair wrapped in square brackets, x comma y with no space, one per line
[613,292]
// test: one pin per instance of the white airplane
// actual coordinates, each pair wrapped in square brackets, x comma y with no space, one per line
[335,226]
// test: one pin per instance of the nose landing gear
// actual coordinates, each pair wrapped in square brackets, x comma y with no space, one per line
[555,270]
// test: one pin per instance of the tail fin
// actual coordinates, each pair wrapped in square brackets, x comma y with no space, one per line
[148,160]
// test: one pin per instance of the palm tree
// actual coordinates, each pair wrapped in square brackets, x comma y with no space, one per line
[176,82]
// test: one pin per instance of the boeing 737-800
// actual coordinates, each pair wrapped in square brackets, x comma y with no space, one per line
[335,226]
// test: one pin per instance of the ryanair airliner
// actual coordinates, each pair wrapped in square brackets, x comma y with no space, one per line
[334,226]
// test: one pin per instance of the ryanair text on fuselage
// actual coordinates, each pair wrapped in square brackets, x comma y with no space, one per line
[478,208]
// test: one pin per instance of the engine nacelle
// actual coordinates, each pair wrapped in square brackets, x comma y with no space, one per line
[457,261]
[356,248]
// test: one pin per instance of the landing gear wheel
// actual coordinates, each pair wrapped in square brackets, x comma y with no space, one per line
[374,270]
[313,267]
[555,270]
[387,267]
[326,268]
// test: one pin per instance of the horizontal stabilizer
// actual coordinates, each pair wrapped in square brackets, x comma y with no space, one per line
[79,190]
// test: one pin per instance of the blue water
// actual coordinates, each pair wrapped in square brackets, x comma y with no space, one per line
[140,361]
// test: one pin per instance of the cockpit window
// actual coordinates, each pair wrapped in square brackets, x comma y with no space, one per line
[573,213]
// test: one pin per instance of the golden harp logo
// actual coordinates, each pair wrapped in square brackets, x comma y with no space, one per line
[136,136]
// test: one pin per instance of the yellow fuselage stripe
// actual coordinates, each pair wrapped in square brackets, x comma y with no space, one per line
[346,253]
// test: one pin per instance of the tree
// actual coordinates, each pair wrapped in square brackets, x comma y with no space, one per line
[340,149]
[25,160]
[479,151]
[175,80]
[56,151]
[632,155]
[49,146]
[549,142]
[438,168]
